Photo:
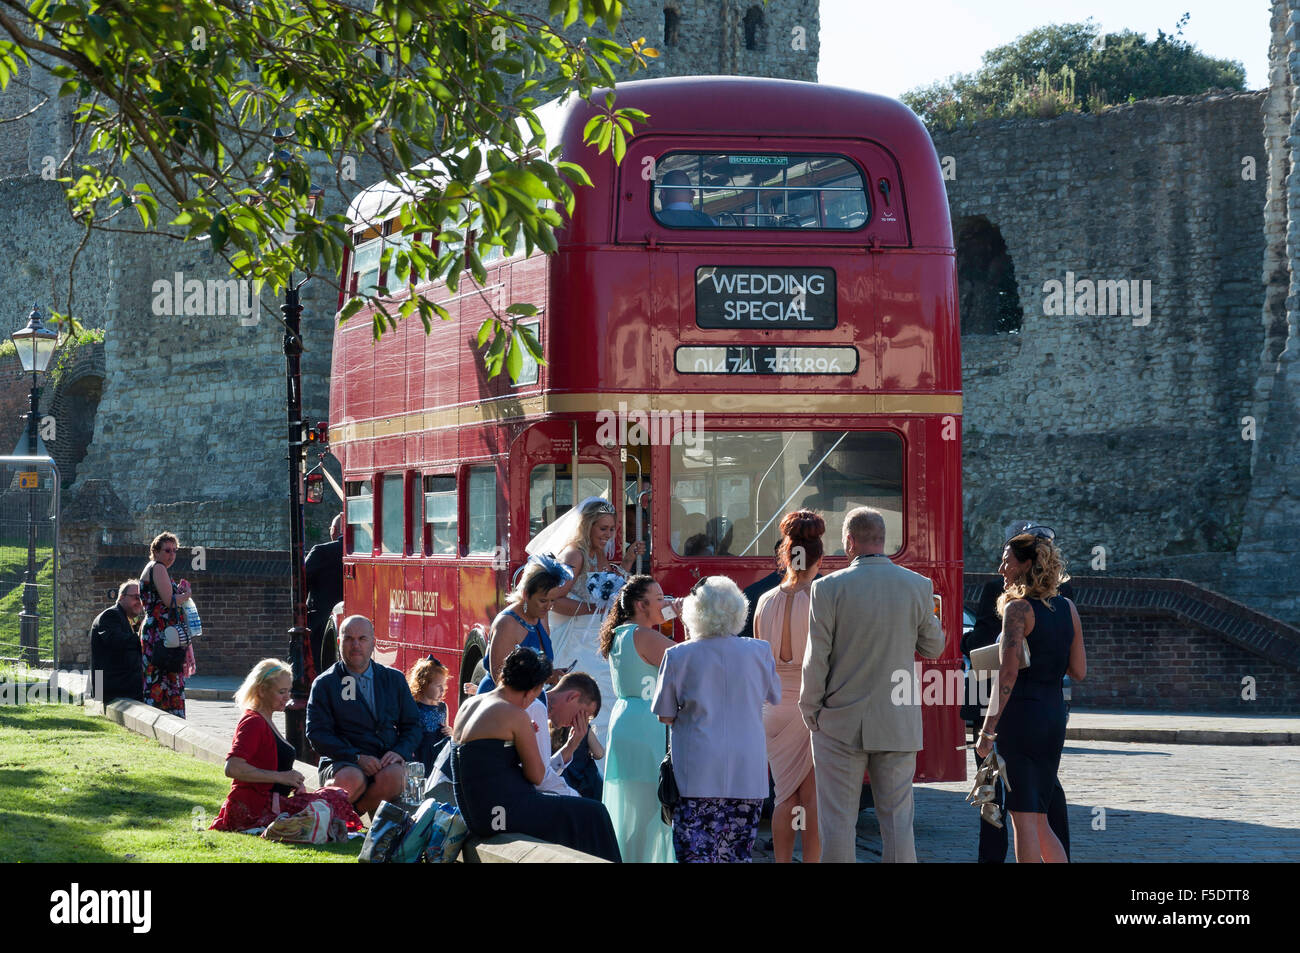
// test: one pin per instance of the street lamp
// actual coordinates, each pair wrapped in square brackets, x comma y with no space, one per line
[295,714]
[36,345]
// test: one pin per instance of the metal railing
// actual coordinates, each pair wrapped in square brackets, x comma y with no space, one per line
[29,571]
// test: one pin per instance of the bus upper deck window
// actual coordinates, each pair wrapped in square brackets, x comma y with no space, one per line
[361,515]
[366,266]
[759,190]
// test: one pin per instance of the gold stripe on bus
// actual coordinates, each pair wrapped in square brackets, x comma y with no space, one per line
[521,408]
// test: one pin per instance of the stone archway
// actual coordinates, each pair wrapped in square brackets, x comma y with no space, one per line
[986,278]
[74,405]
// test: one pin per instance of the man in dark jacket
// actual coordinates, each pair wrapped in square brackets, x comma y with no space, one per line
[988,626]
[362,721]
[324,565]
[115,647]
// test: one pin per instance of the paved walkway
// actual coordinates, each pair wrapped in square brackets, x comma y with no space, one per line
[1130,800]
[1085,725]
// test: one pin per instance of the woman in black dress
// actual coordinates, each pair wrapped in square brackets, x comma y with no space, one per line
[495,761]
[1027,715]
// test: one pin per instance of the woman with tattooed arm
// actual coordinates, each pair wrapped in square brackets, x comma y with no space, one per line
[1027,714]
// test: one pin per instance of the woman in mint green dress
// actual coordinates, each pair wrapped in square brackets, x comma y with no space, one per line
[636,738]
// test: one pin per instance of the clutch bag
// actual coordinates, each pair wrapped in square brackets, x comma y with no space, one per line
[986,661]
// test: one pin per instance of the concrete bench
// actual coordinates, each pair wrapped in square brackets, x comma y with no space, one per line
[521,849]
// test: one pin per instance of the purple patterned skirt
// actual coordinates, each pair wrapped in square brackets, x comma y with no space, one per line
[715,830]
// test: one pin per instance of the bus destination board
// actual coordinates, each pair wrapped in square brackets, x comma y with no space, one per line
[766,360]
[759,296]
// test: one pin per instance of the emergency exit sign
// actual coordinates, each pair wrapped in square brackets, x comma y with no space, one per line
[29,480]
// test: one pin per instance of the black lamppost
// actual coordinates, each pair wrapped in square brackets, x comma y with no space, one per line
[295,714]
[36,345]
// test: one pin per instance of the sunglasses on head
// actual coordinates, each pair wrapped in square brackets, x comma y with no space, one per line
[1042,532]
[699,584]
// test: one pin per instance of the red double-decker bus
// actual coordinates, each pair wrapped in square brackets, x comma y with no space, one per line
[754,312]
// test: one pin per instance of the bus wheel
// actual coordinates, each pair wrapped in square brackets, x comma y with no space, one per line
[473,662]
[329,648]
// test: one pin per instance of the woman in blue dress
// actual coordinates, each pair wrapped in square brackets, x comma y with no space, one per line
[522,621]
[1027,716]
[636,742]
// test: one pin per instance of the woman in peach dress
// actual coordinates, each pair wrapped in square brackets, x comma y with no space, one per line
[781,620]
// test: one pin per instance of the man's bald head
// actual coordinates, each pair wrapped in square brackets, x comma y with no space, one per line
[356,642]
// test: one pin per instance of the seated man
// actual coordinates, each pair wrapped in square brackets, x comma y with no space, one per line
[362,721]
[115,647]
[675,195]
[572,703]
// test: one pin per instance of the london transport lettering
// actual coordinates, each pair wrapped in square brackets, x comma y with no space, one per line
[757,296]
[412,602]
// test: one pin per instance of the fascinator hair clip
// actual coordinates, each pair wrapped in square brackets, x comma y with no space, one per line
[557,568]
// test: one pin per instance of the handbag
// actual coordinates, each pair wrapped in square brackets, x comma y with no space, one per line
[170,660]
[388,827]
[314,824]
[669,795]
[988,660]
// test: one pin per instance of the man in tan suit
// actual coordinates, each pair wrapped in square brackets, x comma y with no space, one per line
[864,624]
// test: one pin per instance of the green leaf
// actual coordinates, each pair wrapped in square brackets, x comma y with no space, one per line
[352,306]
[485,330]
[515,358]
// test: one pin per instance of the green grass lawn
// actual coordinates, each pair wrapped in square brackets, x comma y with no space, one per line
[78,788]
[13,565]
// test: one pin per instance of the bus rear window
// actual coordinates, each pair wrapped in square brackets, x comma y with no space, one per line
[759,190]
[730,489]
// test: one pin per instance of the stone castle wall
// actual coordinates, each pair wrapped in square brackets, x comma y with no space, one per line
[189,428]
[1120,435]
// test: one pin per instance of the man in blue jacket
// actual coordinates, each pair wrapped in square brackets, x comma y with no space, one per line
[362,721]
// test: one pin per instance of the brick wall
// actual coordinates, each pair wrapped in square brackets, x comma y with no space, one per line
[242,596]
[1154,663]
[1170,645]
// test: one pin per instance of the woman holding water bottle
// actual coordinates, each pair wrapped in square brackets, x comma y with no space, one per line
[164,638]
[636,744]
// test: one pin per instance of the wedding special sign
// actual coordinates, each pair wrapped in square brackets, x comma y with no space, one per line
[753,296]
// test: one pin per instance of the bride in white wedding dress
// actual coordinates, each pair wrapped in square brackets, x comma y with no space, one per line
[583,538]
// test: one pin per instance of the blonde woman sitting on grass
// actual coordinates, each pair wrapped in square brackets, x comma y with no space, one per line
[264,784]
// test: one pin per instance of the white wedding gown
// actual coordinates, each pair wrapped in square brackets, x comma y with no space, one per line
[578,637]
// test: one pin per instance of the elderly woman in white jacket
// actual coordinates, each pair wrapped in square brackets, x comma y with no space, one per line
[711,691]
